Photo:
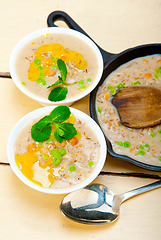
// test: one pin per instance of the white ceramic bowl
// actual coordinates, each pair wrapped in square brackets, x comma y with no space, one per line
[54,30]
[46,110]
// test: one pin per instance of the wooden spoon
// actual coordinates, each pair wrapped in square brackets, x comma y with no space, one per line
[138,106]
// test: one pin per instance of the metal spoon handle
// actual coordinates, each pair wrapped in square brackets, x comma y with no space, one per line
[129,194]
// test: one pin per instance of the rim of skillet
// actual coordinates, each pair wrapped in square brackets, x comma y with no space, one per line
[54,30]
[124,56]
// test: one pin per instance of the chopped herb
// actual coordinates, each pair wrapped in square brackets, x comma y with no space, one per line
[160,158]
[23,83]
[82,87]
[120,125]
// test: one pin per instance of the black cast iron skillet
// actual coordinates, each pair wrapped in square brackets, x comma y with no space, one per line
[111,62]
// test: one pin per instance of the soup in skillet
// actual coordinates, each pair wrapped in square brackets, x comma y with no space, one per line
[144,144]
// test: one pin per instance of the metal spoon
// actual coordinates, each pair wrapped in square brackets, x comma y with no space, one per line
[96,204]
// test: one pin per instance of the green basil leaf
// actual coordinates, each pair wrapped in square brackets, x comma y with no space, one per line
[63,69]
[40,135]
[43,122]
[58,94]
[60,114]
[69,130]
[57,137]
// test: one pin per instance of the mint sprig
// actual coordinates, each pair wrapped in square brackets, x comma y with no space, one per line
[59,93]
[41,130]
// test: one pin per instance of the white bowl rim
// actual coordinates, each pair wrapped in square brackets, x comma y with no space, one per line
[31,36]
[45,110]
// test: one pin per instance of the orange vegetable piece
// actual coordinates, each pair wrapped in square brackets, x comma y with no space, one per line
[46,62]
[145,60]
[32,148]
[64,58]
[50,72]
[159,61]
[73,141]
[148,75]
[107,96]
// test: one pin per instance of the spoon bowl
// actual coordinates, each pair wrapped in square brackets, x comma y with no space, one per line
[96,204]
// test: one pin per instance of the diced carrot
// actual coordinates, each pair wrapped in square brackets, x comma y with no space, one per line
[145,60]
[159,61]
[46,62]
[110,124]
[50,72]
[32,147]
[107,96]
[63,57]
[148,75]
[73,141]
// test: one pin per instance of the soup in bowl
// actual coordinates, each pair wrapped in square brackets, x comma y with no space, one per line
[56,66]
[56,150]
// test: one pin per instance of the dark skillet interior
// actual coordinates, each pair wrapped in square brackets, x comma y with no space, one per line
[111,62]
[118,60]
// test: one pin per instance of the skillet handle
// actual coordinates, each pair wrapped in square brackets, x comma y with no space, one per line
[60,15]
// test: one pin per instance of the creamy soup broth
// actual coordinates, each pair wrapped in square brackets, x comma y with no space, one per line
[35,159]
[86,72]
[144,144]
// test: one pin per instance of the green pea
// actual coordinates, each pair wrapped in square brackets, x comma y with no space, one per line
[40,68]
[54,66]
[83,87]
[120,144]
[56,161]
[99,109]
[41,74]
[57,155]
[37,61]
[127,144]
[71,168]
[156,76]
[89,80]
[160,158]
[141,152]
[53,151]
[44,83]
[39,80]
[137,83]
[120,85]
[113,91]
[40,144]
[62,151]
[146,145]
[159,132]
[45,156]
[90,163]
[81,82]
[110,87]
[141,147]
[152,134]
